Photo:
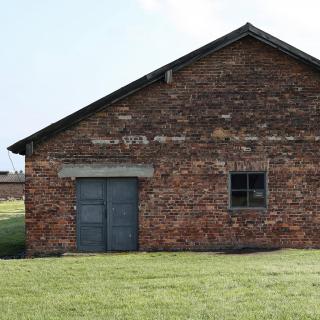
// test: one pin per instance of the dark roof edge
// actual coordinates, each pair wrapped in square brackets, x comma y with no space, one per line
[283,46]
[247,29]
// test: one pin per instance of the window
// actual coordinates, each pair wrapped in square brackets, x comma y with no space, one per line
[247,190]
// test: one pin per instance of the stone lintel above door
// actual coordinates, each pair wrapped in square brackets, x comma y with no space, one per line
[106,170]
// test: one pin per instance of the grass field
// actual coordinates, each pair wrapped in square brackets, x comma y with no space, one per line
[276,285]
[11,228]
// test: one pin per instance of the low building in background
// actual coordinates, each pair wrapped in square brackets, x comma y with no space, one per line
[11,185]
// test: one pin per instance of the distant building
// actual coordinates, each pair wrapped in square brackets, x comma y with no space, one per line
[11,185]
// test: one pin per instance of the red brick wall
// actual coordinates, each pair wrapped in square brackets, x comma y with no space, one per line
[11,190]
[245,107]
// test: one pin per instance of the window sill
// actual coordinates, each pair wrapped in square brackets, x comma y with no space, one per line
[244,210]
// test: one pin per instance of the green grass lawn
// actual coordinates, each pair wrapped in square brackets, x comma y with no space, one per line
[11,228]
[275,285]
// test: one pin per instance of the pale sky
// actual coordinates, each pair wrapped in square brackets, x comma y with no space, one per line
[57,56]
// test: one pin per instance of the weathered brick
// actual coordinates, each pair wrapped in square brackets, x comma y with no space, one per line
[245,107]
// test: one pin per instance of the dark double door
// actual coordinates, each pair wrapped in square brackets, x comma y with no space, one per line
[107,214]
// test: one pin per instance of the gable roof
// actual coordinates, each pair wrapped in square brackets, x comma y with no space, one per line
[158,74]
[12,177]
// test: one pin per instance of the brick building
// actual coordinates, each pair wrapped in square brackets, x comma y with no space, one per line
[218,149]
[11,185]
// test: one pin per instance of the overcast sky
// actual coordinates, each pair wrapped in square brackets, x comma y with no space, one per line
[60,55]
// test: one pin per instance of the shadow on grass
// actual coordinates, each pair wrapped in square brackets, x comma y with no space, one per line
[248,250]
[12,235]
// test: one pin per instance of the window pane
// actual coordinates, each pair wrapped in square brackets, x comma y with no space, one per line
[239,181]
[256,181]
[239,199]
[256,198]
